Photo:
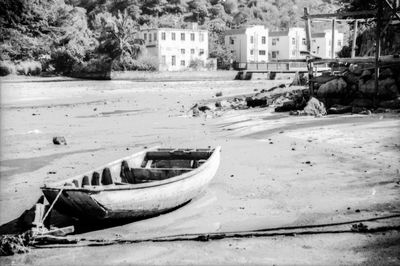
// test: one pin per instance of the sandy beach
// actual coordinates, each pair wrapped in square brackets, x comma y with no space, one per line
[276,171]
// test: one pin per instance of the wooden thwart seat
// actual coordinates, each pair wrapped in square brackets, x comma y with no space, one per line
[142,175]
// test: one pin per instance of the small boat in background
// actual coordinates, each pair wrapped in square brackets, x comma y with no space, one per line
[144,184]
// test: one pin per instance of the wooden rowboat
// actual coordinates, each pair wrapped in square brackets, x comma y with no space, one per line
[144,184]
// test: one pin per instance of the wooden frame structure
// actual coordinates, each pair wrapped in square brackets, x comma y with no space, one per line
[356,17]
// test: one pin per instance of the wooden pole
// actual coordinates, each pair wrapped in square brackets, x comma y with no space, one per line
[378,44]
[333,39]
[353,45]
[309,40]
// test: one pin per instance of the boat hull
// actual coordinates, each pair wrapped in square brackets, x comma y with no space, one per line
[134,201]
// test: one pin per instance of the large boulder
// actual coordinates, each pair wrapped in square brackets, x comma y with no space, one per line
[387,73]
[332,88]
[367,88]
[387,89]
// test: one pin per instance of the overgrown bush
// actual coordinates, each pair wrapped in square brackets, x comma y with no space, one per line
[143,63]
[196,64]
[7,68]
[63,61]
[29,68]
[98,64]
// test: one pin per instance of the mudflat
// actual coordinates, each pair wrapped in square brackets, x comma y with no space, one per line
[277,171]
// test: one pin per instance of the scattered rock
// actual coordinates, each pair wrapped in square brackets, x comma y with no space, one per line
[218,94]
[250,102]
[360,227]
[59,141]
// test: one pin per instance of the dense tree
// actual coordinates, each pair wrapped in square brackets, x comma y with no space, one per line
[70,31]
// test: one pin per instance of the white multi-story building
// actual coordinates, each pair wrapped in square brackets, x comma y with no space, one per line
[248,44]
[287,44]
[176,48]
[321,44]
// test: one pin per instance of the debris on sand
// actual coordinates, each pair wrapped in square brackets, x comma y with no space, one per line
[59,141]
[313,107]
[360,227]
[14,244]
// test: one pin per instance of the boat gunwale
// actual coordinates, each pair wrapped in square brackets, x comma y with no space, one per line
[127,186]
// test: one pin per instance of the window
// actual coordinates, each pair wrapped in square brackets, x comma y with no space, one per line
[261,52]
[182,36]
[163,60]
[293,52]
[162,35]
[145,36]
[275,54]
[149,37]
[273,42]
[231,40]
[173,36]
[201,52]
[293,40]
[251,52]
[263,39]
[192,36]
[182,51]
[339,43]
[155,36]
[192,51]
[201,37]
[173,60]
[304,41]
[251,39]
[182,62]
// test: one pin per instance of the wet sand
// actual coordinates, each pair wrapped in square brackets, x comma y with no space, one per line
[276,171]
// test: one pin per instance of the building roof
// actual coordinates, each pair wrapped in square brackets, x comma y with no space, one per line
[235,31]
[318,35]
[278,33]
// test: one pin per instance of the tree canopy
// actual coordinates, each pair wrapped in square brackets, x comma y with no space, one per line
[79,29]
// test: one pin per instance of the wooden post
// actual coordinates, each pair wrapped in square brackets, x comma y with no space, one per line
[309,40]
[333,39]
[378,45]
[353,45]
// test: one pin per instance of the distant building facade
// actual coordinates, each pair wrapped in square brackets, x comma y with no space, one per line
[248,44]
[176,48]
[287,44]
[321,44]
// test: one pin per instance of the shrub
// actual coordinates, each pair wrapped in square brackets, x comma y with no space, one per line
[143,63]
[7,68]
[196,64]
[31,68]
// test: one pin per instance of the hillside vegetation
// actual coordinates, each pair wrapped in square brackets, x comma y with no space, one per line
[65,36]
